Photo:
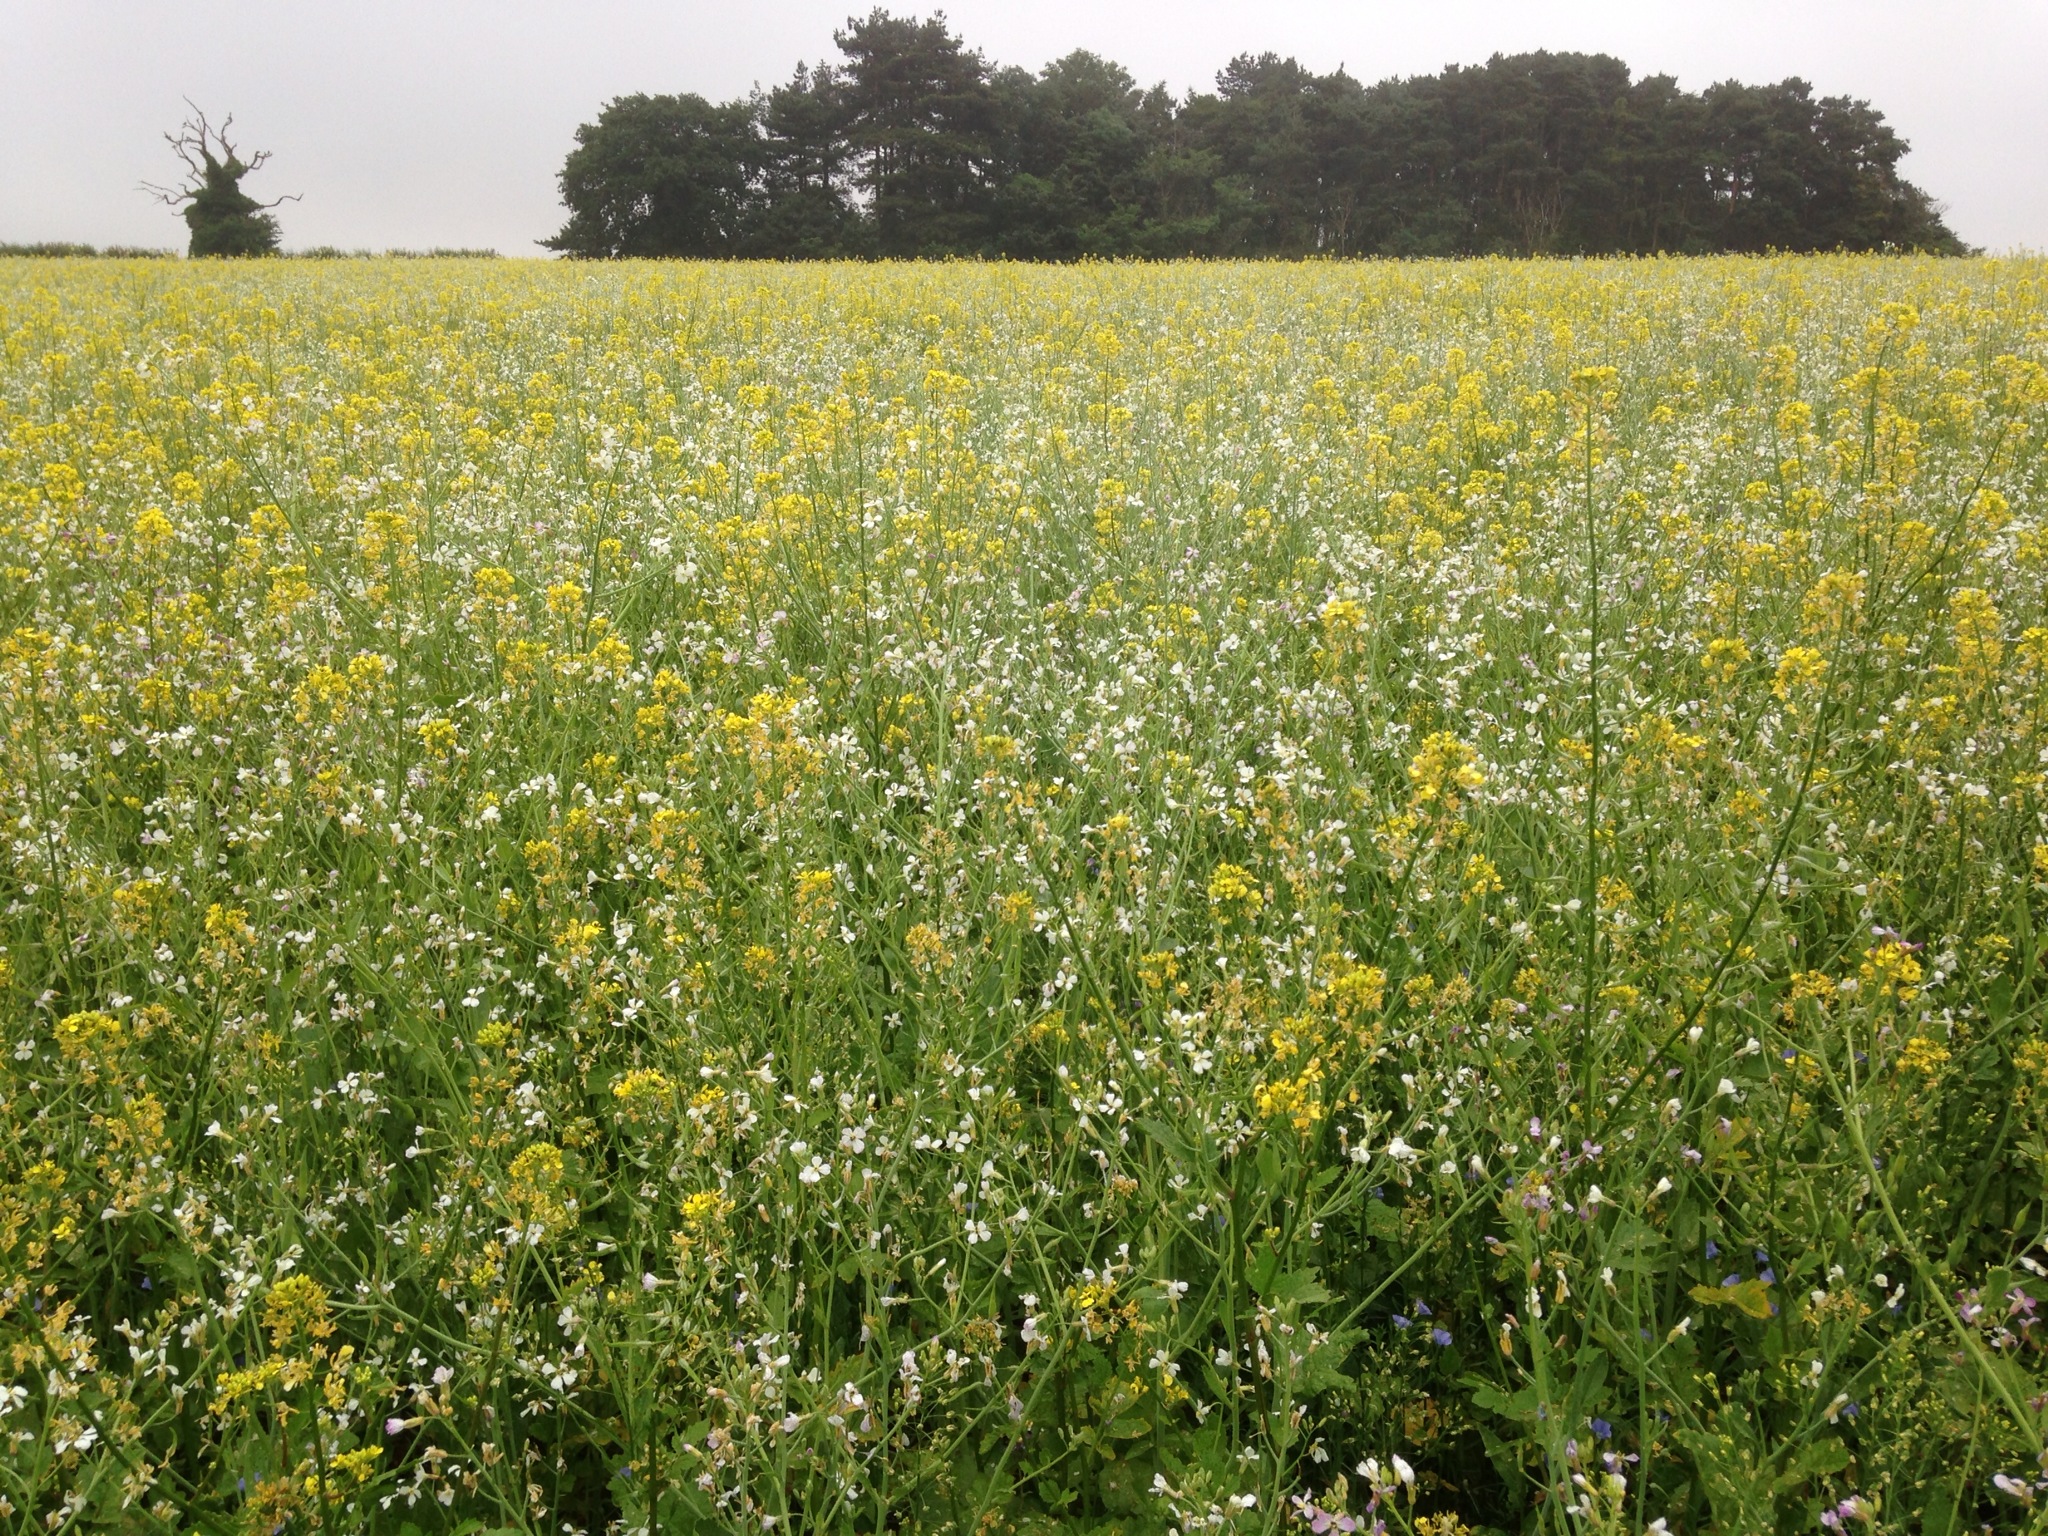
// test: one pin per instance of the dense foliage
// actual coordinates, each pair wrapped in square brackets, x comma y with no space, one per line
[74,248]
[223,218]
[915,145]
[1000,898]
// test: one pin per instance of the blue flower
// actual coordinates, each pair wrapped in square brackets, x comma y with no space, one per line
[1602,1430]
[1400,1321]
[1441,1337]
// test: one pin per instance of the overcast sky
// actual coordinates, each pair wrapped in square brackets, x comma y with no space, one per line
[443,122]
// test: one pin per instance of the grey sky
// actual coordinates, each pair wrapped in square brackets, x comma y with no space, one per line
[427,123]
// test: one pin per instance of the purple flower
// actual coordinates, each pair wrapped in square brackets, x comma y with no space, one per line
[1713,1249]
[1441,1337]
[1400,1321]
[1602,1430]
[1322,1521]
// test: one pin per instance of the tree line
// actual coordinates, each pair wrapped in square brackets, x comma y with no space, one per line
[913,144]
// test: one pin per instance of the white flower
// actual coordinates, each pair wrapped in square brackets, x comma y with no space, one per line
[67,1438]
[2012,1487]
[814,1170]
[977,1232]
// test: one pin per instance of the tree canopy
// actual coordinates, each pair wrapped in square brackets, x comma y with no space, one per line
[223,219]
[914,144]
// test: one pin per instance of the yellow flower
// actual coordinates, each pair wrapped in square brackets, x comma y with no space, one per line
[84,1034]
[927,949]
[1924,1056]
[1979,649]
[152,530]
[1892,970]
[1482,878]
[1443,771]
[1725,657]
[535,1191]
[296,1306]
[1233,892]
[640,1083]
[1800,669]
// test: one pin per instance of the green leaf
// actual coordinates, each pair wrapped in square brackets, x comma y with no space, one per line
[1750,1297]
[1382,1220]
[1263,1265]
[1299,1286]
[1817,1460]
[1321,1369]
[1170,1140]
[1520,1406]
[1589,1378]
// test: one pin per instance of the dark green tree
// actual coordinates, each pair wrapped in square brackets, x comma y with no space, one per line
[804,205]
[920,121]
[1792,173]
[1079,179]
[915,146]
[661,176]
[224,220]
[1285,141]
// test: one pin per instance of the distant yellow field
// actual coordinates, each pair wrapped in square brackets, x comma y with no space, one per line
[1001,898]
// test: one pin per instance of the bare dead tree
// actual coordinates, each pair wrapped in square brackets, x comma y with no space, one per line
[224,220]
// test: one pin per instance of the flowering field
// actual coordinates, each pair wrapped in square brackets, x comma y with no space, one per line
[980,898]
